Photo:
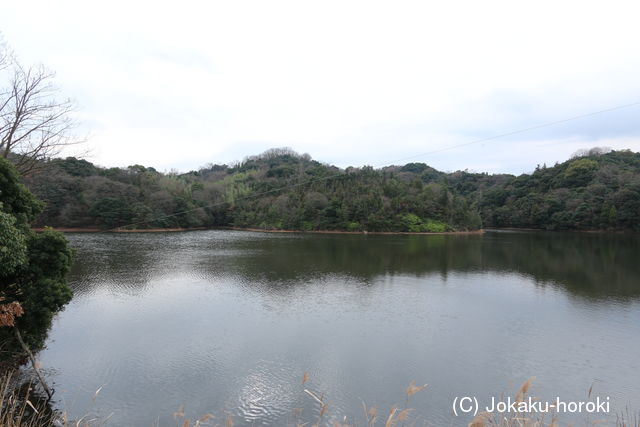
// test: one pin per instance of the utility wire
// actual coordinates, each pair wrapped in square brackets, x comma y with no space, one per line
[516,132]
[342,174]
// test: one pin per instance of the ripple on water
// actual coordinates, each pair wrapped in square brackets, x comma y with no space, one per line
[227,322]
[266,394]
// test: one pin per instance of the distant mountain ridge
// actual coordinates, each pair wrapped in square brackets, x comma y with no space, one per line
[281,189]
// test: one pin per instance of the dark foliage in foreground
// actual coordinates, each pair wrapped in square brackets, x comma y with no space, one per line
[33,266]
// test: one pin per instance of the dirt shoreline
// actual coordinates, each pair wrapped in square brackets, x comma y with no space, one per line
[98,230]
[346,232]
[261,230]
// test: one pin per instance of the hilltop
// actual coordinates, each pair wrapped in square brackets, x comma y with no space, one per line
[281,189]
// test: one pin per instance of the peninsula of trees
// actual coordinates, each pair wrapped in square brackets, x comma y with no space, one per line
[281,189]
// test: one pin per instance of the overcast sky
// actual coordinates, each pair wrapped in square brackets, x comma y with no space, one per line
[181,84]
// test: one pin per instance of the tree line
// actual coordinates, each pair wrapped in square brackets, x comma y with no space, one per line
[281,189]
[597,189]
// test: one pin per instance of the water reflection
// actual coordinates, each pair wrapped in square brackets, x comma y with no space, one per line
[228,322]
[589,265]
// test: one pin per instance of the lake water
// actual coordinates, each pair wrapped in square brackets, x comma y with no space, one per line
[228,322]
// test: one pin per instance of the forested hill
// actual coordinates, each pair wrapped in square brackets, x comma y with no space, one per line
[281,189]
[593,191]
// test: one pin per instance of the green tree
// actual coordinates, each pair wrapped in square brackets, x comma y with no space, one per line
[580,172]
[33,266]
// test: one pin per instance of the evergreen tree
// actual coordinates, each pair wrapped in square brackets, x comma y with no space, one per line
[33,266]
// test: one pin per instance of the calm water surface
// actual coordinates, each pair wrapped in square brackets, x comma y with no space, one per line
[228,322]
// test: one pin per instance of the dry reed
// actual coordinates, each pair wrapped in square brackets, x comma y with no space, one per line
[25,409]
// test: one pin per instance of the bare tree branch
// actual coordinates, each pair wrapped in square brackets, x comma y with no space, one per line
[35,124]
[6,56]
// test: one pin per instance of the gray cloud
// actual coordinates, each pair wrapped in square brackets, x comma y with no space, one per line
[360,83]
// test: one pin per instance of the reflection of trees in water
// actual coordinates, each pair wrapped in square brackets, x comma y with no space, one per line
[591,265]
[123,261]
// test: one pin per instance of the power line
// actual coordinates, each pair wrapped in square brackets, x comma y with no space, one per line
[516,132]
[337,175]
